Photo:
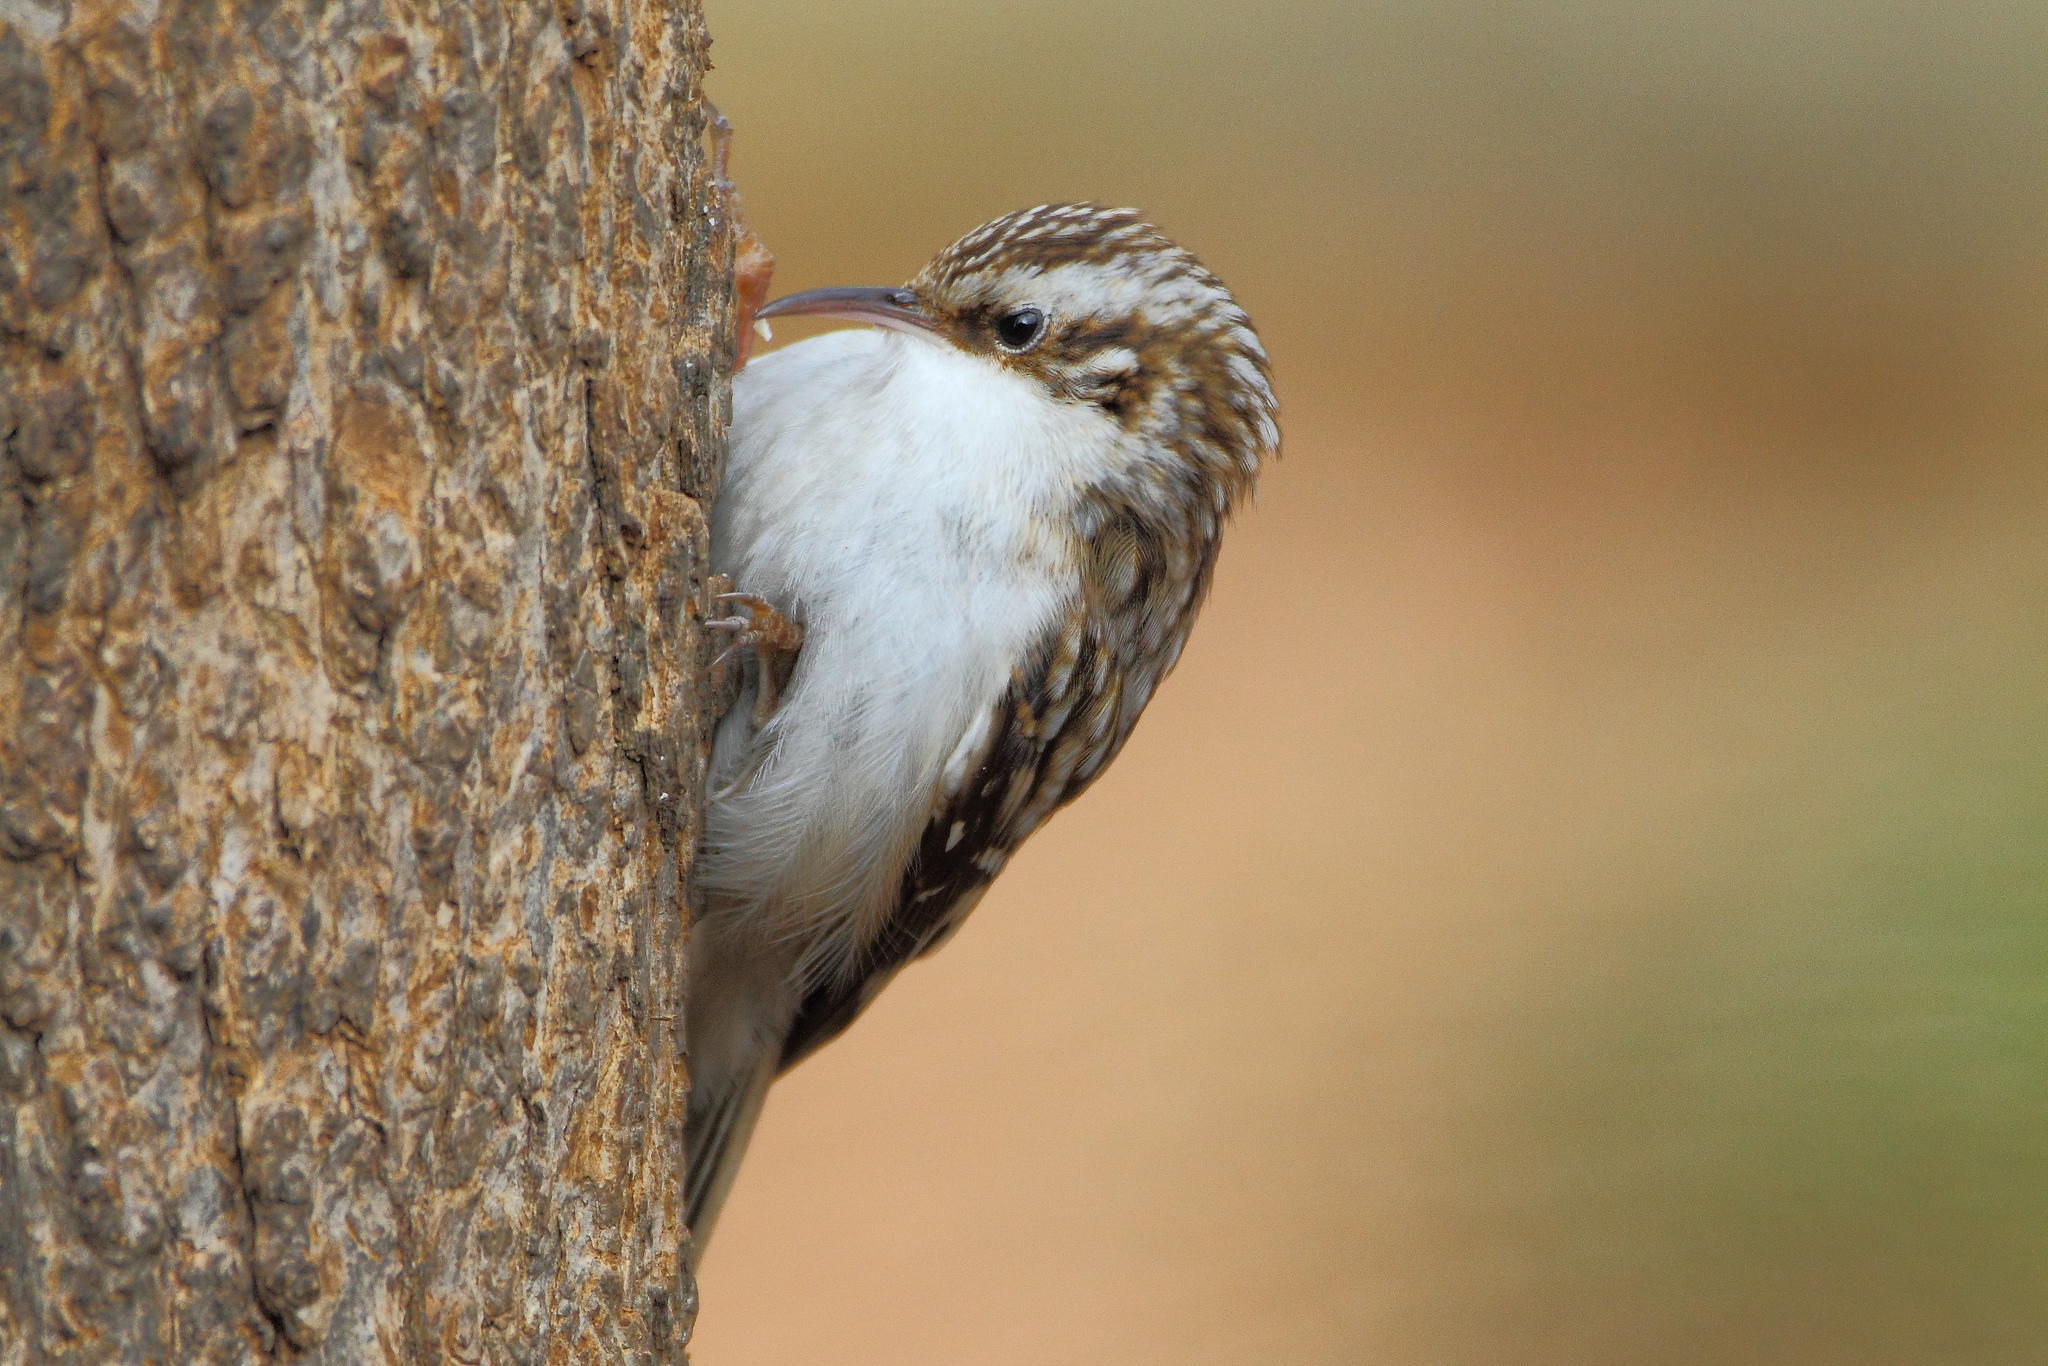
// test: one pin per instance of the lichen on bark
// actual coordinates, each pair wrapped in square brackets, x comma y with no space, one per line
[363,377]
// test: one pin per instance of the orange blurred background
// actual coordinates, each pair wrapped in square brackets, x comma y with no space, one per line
[1583,897]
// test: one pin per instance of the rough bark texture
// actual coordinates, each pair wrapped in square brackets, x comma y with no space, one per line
[363,373]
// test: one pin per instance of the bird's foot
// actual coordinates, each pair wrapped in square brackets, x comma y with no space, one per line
[774,639]
[753,265]
[721,142]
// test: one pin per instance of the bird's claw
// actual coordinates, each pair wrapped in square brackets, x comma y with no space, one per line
[762,625]
[721,143]
[774,639]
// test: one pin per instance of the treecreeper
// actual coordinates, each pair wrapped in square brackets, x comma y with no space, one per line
[969,542]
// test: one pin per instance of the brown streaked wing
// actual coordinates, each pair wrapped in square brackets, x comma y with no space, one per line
[1061,722]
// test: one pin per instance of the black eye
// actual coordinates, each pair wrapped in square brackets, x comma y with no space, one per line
[1019,327]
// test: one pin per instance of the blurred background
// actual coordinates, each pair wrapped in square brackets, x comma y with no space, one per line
[1583,897]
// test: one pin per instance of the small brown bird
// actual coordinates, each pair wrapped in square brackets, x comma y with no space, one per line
[993,519]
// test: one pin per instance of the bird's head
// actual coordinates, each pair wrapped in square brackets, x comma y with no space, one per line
[1100,309]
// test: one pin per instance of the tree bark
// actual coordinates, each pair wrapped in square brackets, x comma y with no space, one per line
[363,377]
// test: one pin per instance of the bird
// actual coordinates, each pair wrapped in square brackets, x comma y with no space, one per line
[969,540]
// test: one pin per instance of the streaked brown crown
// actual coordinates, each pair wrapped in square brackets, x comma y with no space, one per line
[1132,324]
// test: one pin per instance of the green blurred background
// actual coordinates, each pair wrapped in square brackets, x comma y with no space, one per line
[1584,896]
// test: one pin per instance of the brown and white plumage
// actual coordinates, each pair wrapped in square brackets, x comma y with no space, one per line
[994,519]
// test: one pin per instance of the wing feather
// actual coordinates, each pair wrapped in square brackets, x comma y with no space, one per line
[1067,712]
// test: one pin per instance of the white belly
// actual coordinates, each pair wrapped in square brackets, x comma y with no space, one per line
[877,493]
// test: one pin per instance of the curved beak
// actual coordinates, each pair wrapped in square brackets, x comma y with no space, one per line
[886,305]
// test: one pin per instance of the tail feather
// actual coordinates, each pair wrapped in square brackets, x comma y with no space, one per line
[715,1138]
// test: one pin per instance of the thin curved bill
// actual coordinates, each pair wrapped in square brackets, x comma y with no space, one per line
[884,305]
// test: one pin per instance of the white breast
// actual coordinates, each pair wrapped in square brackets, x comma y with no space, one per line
[906,502]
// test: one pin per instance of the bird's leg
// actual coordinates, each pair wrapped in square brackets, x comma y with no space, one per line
[753,265]
[774,639]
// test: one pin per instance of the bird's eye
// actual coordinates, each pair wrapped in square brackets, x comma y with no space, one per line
[1019,327]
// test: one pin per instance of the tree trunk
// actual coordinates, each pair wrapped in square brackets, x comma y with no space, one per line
[363,376]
